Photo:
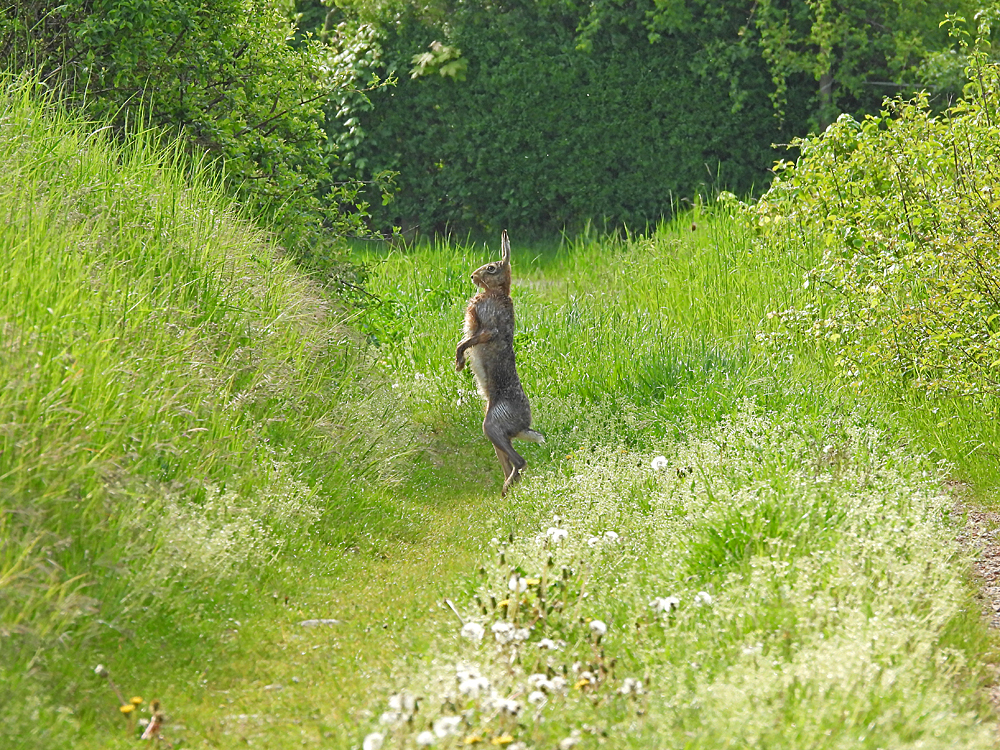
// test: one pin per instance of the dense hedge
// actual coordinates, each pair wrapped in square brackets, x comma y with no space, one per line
[547,133]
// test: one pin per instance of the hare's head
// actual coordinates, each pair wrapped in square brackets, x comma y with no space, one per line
[496,276]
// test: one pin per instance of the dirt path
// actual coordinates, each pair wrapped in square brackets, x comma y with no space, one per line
[981,535]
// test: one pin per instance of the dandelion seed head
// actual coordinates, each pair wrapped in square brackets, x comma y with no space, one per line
[373,741]
[556,534]
[551,645]
[447,725]
[426,739]
[611,536]
[536,697]
[593,541]
[665,603]
[702,598]
[517,583]
[659,463]
[473,631]
[597,627]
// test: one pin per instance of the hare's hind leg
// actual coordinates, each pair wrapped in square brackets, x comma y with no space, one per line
[511,461]
[504,462]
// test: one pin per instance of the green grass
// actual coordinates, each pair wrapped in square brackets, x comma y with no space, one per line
[198,454]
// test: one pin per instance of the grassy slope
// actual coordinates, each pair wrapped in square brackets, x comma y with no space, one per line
[197,456]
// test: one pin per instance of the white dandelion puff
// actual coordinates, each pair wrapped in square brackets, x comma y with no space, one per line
[611,536]
[426,739]
[447,725]
[473,631]
[535,697]
[702,598]
[556,534]
[597,627]
[665,603]
[373,741]
[659,463]
[503,631]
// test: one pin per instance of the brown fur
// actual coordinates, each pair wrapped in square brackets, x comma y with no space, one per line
[488,346]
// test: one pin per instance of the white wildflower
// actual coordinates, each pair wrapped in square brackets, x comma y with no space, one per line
[447,725]
[535,697]
[537,679]
[660,462]
[550,644]
[558,683]
[556,534]
[473,686]
[520,634]
[426,739]
[570,742]
[631,686]
[373,741]
[611,536]
[390,717]
[517,583]
[473,631]
[503,631]
[598,628]
[665,603]
[404,701]
[702,598]
[507,706]
[593,541]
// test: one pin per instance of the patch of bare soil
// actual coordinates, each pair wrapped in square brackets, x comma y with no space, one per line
[981,536]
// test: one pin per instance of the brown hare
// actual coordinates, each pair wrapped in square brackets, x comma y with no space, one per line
[488,346]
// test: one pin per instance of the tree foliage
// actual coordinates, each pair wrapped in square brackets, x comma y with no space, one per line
[221,74]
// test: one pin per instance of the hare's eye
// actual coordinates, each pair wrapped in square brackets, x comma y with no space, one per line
[491,268]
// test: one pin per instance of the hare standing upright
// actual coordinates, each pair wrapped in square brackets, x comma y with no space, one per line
[489,347]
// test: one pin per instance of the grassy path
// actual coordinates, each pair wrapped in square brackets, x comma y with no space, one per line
[719,545]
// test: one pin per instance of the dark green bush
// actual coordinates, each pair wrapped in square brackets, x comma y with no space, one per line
[514,118]
[550,113]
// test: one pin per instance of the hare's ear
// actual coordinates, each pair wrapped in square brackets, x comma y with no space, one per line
[504,247]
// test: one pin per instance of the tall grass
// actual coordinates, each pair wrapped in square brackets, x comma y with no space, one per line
[195,450]
[173,403]
[784,574]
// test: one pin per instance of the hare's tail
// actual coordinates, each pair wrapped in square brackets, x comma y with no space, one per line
[532,436]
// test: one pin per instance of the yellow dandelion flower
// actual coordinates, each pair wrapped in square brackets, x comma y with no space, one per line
[127,708]
[472,739]
[580,684]
[136,700]
[503,602]
[503,739]
[532,581]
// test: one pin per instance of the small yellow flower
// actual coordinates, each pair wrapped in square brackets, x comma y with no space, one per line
[472,739]
[503,739]
[580,684]
[503,603]
[127,708]
[532,581]
[136,701]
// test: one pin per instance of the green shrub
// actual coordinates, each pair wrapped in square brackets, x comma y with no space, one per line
[904,208]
